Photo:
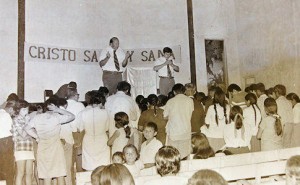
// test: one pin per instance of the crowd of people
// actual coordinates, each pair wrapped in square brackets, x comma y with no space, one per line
[116,134]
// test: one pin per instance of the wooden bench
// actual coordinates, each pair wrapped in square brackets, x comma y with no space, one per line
[233,168]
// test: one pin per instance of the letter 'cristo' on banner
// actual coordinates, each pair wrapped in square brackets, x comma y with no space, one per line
[44,53]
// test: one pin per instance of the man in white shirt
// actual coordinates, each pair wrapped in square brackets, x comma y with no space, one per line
[7,160]
[261,97]
[113,61]
[121,102]
[178,111]
[285,111]
[163,66]
[67,130]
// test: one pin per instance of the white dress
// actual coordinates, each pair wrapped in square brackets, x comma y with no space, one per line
[119,142]
[95,151]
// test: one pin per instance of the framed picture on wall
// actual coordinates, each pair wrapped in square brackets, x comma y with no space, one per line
[216,66]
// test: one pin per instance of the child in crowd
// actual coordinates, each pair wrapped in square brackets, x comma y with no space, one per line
[150,147]
[293,170]
[252,118]
[216,118]
[237,135]
[207,177]
[270,129]
[154,114]
[113,174]
[118,157]
[294,99]
[132,163]
[200,147]
[23,144]
[121,136]
[167,161]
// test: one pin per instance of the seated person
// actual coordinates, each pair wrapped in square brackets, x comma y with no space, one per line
[167,161]
[207,177]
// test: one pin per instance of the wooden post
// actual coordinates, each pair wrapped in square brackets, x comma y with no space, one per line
[21,40]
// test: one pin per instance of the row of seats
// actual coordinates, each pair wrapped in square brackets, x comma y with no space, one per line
[234,167]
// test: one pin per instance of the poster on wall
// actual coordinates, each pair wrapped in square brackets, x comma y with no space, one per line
[215,63]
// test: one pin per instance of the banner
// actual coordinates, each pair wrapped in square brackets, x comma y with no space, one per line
[45,53]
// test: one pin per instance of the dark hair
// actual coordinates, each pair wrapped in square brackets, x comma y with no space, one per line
[12,97]
[103,90]
[269,91]
[199,96]
[122,120]
[152,125]
[99,99]
[247,90]
[62,102]
[201,147]
[260,87]
[280,89]
[124,86]
[293,96]
[253,102]
[162,100]
[52,100]
[271,107]
[139,98]
[232,87]
[235,115]
[19,105]
[219,98]
[167,50]
[112,40]
[153,101]
[178,88]
[171,95]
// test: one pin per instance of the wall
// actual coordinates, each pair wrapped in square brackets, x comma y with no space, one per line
[90,24]
[268,41]
[8,47]
[215,19]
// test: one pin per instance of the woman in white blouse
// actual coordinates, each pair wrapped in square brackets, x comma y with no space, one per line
[216,118]
[252,118]
[237,135]
[294,99]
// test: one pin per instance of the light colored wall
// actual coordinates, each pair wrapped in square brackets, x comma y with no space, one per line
[90,24]
[8,47]
[261,38]
[268,41]
[215,20]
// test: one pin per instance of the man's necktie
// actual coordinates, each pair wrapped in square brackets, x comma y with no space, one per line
[169,71]
[116,61]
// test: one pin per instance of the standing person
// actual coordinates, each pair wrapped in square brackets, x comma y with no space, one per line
[23,144]
[6,144]
[51,162]
[270,129]
[198,116]
[237,135]
[63,91]
[216,118]
[252,118]
[94,121]
[163,66]
[154,114]
[294,99]
[70,136]
[236,95]
[179,111]
[113,60]
[260,92]
[285,110]
[121,102]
